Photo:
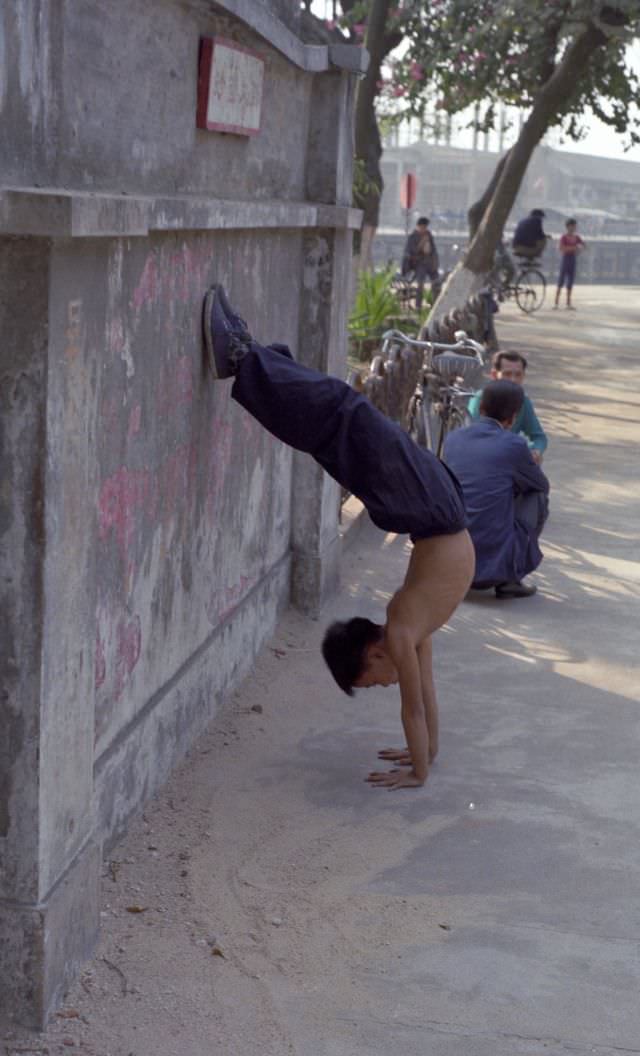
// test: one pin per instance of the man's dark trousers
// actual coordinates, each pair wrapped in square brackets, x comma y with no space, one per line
[404,488]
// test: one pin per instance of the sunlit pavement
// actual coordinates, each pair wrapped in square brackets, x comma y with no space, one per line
[496,912]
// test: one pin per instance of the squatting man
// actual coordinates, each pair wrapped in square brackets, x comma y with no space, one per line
[405,490]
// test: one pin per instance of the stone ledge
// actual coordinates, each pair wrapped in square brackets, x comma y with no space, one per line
[313,58]
[52,213]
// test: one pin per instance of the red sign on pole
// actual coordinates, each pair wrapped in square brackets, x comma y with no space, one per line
[408,188]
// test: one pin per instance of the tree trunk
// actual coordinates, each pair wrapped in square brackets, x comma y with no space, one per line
[469,276]
[479,208]
[368,146]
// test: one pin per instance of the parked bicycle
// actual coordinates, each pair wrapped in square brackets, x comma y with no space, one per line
[525,281]
[450,375]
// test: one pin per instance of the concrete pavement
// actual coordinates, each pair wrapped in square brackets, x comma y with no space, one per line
[288,908]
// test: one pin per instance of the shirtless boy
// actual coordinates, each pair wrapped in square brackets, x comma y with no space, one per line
[405,490]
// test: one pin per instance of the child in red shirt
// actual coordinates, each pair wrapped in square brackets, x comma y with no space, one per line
[570,245]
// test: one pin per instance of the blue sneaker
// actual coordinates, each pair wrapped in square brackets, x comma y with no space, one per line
[226,343]
[237,322]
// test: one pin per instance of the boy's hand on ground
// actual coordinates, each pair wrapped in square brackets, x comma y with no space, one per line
[393,779]
[401,756]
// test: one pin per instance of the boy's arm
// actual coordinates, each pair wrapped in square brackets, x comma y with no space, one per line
[473,406]
[527,476]
[429,699]
[412,713]
[532,428]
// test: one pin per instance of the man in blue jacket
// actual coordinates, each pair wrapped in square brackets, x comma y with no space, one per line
[529,238]
[511,366]
[505,492]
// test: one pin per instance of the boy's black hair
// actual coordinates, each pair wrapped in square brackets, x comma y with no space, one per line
[501,400]
[570,221]
[512,357]
[422,220]
[344,647]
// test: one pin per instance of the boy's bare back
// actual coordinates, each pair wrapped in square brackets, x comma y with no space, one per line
[439,575]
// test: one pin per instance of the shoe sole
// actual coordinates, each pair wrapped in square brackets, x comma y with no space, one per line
[206,332]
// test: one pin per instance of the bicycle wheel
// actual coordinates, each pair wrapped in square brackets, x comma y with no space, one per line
[416,426]
[531,287]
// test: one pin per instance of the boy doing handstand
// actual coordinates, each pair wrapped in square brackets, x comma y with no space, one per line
[405,490]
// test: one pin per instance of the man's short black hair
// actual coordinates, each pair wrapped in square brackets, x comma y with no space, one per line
[501,400]
[422,220]
[344,648]
[511,356]
[538,212]
[571,221]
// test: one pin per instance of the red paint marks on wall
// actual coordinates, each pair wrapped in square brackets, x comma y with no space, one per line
[146,292]
[224,601]
[122,497]
[175,388]
[100,661]
[170,277]
[118,649]
[135,418]
[129,644]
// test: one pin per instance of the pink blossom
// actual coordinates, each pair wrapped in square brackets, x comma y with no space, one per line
[416,71]
[359,30]
[399,90]
[330,24]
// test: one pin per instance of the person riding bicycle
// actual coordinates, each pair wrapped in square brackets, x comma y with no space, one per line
[404,488]
[420,257]
[529,238]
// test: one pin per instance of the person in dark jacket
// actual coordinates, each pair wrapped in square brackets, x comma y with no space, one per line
[505,492]
[420,257]
[529,238]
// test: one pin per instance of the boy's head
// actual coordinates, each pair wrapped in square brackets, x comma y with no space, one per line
[508,366]
[422,222]
[501,400]
[356,655]
[571,226]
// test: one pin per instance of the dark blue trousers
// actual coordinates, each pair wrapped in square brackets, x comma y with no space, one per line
[567,271]
[404,488]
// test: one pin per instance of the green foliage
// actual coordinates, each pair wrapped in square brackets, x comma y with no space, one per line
[363,185]
[375,302]
[489,51]
[462,52]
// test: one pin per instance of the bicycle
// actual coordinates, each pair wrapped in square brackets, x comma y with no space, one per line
[449,376]
[528,286]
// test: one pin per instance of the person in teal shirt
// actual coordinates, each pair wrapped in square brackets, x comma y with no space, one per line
[512,366]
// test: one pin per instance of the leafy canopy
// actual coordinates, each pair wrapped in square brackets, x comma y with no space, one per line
[503,51]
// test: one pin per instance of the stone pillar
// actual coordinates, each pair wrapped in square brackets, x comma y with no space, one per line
[324,306]
[49,865]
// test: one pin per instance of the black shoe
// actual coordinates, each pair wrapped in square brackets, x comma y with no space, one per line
[514,590]
[237,322]
[226,344]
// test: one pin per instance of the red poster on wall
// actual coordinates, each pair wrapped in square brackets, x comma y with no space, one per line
[408,188]
[230,80]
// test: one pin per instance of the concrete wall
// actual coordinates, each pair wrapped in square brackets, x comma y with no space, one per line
[150,530]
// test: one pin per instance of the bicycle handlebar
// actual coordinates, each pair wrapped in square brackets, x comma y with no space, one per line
[462,341]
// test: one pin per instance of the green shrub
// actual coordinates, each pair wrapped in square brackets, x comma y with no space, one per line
[375,302]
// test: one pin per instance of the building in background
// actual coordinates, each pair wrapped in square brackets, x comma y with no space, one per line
[601,193]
